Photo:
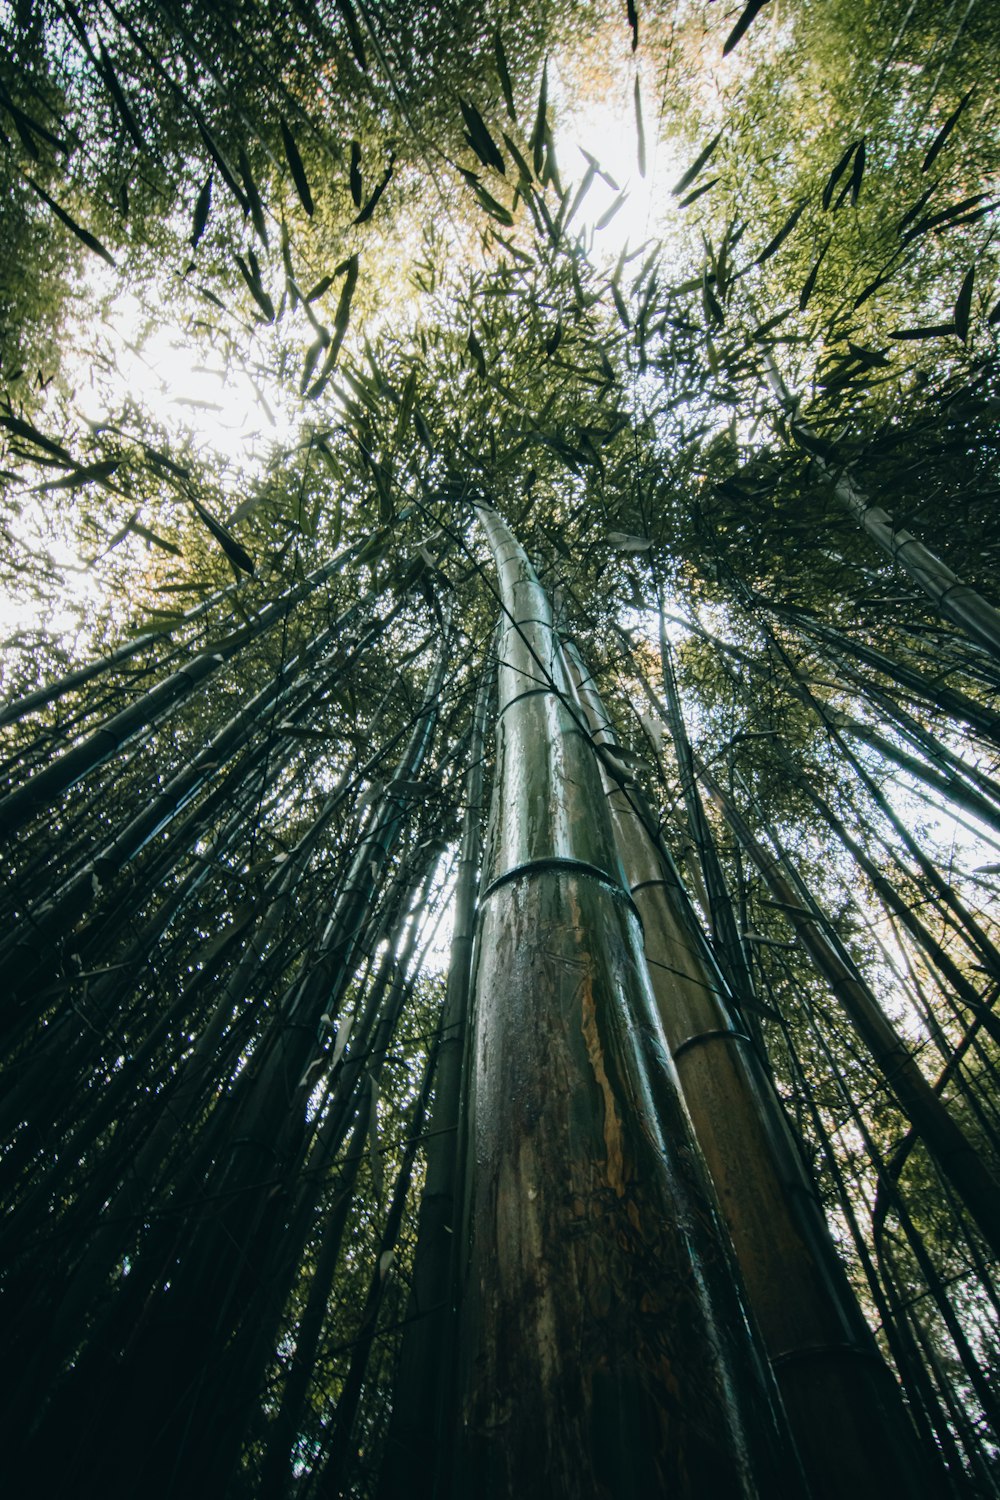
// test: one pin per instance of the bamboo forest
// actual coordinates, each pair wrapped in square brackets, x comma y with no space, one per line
[500,749]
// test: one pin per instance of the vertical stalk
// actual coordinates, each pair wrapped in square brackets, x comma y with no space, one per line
[843,1405]
[604,1347]
[416,1431]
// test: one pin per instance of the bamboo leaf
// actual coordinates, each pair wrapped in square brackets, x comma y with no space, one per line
[237,555]
[633,21]
[298,170]
[912,213]
[540,130]
[857,172]
[503,72]
[938,143]
[810,281]
[773,246]
[963,306]
[479,137]
[155,539]
[84,235]
[252,278]
[253,198]
[639,130]
[353,33]
[201,211]
[357,192]
[745,20]
[22,428]
[693,197]
[623,541]
[609,213]
[372,203]
[931,221]
[89,474]
[837,173]
[476,350]
[935,331]
[225,170]
[696,166]
[121,102]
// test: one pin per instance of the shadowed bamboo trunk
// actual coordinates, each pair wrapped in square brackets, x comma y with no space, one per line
[949,1146]
[955,600]
[604,1347]
[420,1394]
[843,1405]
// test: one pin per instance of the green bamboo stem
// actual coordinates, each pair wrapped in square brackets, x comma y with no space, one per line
[843,1405]
[580,1289]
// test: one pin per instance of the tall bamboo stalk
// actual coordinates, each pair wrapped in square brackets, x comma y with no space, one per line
[417,1431]
[843,1405]
[602,1339]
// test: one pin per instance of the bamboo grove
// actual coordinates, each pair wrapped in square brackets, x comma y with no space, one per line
[500,958]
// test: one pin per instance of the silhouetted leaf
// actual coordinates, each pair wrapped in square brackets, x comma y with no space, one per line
[749,14]
[912,213]
[504,75]
[937,145]
[251,276]
[225,170]
[963,306]
[88,474]
[696,166]
[479,137]
[609,213]
[237,555]
[810,280]
[476,350]
[84,235]
[201,211]
[373,201]
[693,197]
[353,33]
[639,130]
[934,331]
[541,122]
[773,246]
[837,173]
[298,170]
[253,198]
[355,174]
[857,172]
[931,221]
[118,95]
[623,541]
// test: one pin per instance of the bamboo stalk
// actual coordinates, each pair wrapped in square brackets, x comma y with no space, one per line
[843,1405]
[578,1290]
